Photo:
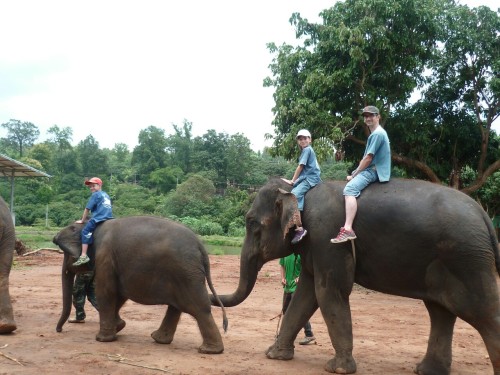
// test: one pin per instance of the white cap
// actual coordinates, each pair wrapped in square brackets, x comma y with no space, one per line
[303,132]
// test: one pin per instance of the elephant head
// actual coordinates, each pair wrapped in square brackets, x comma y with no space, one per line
[69,240]
[272,212]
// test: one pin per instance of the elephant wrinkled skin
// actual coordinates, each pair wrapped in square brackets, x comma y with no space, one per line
[151,261]
[7,245]
[415,239]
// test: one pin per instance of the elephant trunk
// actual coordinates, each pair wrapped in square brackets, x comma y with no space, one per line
[249,268]
[68,278]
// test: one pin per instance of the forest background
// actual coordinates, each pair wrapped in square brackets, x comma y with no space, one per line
[432,67]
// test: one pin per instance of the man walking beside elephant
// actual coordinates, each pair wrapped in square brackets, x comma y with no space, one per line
[375,166]
[83,288]
[290,268]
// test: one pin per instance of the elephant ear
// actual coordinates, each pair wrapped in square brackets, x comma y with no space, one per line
[287,210]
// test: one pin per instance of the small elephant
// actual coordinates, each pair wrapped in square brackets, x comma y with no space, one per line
[151,261]
[7,245]
[415,239]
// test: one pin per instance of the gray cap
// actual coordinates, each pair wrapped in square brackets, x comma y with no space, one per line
[371,109]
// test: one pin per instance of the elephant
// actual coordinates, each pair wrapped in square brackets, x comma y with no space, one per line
[415,239]
[150,260]
[7,245]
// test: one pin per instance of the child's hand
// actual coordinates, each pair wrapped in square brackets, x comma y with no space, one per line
[289,182]
[79,222]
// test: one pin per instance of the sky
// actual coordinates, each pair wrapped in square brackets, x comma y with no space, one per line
[112,68]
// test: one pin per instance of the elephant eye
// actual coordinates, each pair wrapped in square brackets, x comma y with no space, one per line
[253,225]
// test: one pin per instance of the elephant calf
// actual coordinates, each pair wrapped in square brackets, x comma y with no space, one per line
[151,261]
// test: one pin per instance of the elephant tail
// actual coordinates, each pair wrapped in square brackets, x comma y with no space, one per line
[494,242]
[212,289]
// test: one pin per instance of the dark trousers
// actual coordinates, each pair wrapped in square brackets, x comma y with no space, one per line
[83,288]
[287,297]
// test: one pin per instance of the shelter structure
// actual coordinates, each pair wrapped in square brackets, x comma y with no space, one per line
[11,169]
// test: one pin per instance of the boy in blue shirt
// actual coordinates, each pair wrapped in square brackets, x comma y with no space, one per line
[306,176]
[100,206]
[375,166]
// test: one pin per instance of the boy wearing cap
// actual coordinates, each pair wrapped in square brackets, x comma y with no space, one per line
[375,166]
[100,206]
[306,176]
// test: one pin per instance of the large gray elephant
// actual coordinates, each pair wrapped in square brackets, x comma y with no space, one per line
[151,261]
[415,239]
[7,245]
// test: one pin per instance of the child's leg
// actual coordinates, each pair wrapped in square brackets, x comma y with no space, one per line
[300,191]
[86,237]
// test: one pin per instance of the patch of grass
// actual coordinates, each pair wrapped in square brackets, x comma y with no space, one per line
[216,251]
[36,237]
[222,241]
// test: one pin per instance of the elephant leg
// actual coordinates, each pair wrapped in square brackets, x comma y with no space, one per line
[212,339]
[109,303]
[437,360]
[486,319]
[199,307]
[120,323]
[337,315]
[165,334]
[333,288]
[7,323]
[301,308]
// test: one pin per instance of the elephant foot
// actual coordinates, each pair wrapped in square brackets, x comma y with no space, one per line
[105,337]
[277,352]
[341,365]
[7,327]
[161,337]
[120,325]
[432,367]
[211,349]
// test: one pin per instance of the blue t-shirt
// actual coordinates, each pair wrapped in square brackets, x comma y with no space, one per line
[100,206]
[379,146]
[311,171]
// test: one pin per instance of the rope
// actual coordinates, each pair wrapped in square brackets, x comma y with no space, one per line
[354,253]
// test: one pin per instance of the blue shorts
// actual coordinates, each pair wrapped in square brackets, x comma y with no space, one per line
[360,181]
[300,191]
[87,231]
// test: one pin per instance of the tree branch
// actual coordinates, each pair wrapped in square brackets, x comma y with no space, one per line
[481,178]
[422,167]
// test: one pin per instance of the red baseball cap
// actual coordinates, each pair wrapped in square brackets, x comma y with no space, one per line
[94,180]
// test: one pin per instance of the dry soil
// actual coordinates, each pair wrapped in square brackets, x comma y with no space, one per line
[390,333]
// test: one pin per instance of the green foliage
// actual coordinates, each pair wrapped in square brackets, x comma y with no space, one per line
[131,199]
[191,198]
[21,134]
[332,170]
[203,226]
[64,213]
[93,160]
[381,52]
[150,154]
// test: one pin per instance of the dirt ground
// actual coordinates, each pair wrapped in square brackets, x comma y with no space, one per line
[390,333]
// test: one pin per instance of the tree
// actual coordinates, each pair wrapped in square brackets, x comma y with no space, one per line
[210,154]
[119,160]
[466,89]
[180,146]
[191,198]
[93,160]
[381,52]
[21,134]
[61,137]
[364,52]
[150,154]
[239,158]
